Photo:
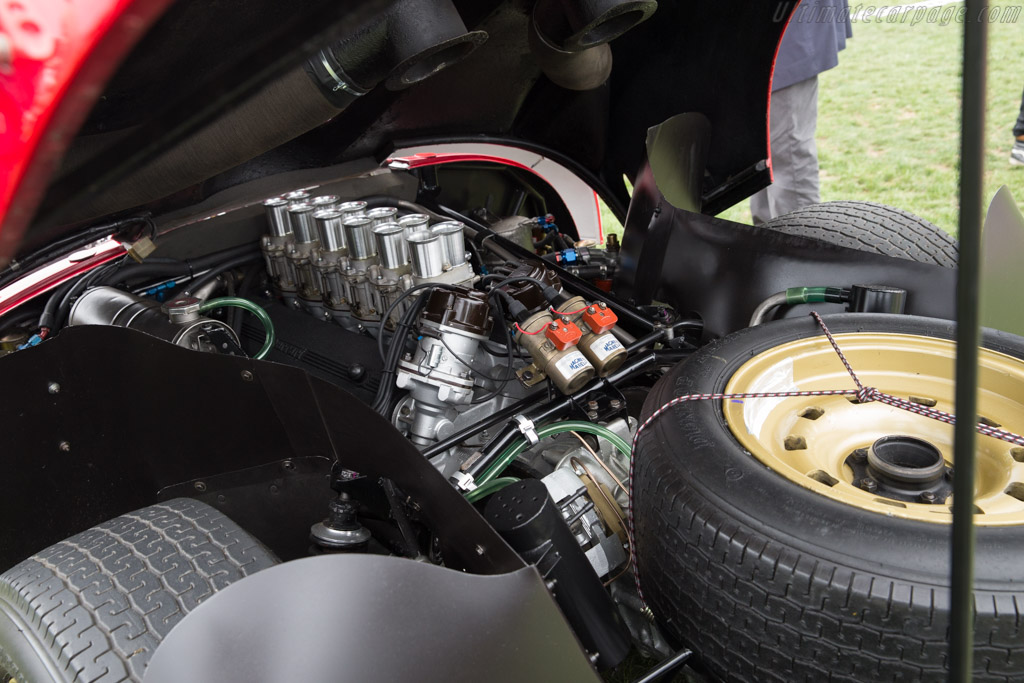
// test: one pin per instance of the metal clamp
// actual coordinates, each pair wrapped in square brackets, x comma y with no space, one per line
[526,428]
[464,481]
[340,82]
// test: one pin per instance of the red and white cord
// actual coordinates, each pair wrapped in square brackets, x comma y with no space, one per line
[863,394]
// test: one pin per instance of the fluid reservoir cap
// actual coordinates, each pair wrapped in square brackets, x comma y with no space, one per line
[184,309]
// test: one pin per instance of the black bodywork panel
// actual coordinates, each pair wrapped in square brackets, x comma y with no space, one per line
[133,415]
[714,58]
[372,618]
[722,270]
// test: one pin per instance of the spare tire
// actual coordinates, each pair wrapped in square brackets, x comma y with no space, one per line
[760,548]
[871,227]
[95,606]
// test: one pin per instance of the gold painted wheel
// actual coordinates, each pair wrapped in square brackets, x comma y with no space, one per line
[815,441]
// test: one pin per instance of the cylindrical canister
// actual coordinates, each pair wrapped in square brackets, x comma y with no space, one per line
[359,236]
[391,246]
[300,214]
[427,257]
[330,229]
[277,216]
[296,195]
[453,243]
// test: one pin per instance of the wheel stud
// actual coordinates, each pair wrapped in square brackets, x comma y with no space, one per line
[868,484]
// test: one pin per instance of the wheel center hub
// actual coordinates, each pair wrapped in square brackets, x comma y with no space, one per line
[903,468]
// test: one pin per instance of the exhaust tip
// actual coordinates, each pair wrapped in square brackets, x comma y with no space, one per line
[426,63]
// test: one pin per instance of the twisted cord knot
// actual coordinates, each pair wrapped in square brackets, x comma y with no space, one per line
[867,394]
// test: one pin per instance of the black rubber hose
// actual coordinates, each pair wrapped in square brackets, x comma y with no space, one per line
[216,271]
[65,246]
[494,242]
[402,205]
[660,333]
[80,286]
[165,269]
[48,317]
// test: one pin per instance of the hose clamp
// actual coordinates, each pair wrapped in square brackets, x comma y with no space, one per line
[341,79]
[464,481]
[526,428]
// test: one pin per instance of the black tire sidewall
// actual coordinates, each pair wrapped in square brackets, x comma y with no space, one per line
[696,445]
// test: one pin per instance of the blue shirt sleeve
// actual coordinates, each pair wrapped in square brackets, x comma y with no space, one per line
[812,41]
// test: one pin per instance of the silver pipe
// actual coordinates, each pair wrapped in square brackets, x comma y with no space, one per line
[324,201]
[277,216]
[359,236]
[391,246]
[382,215]
[356,208]
[330,228]
[453,243]
[300,215]
[414,222]
[427,257]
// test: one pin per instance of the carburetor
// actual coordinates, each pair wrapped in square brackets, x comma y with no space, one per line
[439,376]
[350,263]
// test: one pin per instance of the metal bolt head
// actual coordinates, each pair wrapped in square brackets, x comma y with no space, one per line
[199,486]
[247,375]
[553,326]
[64,446]
[479,549]
[592,404]
[591,310]
[868,484]
[615,404]
[53,387]
[928,497]
[592,415]
[860,455]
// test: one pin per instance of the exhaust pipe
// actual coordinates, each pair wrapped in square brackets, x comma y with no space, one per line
[569,38]
[407,43]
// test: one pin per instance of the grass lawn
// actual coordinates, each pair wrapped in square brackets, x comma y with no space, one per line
[889,118]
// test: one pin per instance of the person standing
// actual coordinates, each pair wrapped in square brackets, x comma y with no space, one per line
[811,44]
[1017,153]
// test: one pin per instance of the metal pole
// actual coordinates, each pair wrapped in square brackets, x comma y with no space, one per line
[961,631]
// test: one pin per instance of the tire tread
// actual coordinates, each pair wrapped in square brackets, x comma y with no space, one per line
[871,227]
[103,599]
[760,599]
